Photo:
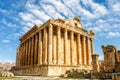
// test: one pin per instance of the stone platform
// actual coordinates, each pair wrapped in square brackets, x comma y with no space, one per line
[45,70]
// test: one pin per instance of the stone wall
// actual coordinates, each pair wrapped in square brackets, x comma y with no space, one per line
[110,57]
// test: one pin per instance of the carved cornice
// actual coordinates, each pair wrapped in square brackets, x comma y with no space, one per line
[75,29]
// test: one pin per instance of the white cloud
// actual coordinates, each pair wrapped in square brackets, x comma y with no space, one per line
[116,7]
[3,10]
[77,9]
[51,11]
[5,41]
[59,6]
[26,16]
[8,24]
[97,9]
[113,34]
[36,11]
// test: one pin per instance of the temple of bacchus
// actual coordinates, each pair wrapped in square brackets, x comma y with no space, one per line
[54,47]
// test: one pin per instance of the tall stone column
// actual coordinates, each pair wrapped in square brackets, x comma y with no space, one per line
[84,49]
[71,47]
[65,46]
[22,61]
[35,52]
[45,45]
[59,45]
[88,51]
[92,46]
[21,54]
[32,51]
[40,48]
[26,52]
[17,56]
[50,36]
[79,60]
[29,44]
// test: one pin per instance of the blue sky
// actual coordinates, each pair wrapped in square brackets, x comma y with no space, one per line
[18,16]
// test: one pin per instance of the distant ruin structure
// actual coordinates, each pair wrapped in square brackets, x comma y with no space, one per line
[111,58]
[109,68]
[54,47]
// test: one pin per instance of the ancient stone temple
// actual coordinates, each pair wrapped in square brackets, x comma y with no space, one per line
[54,47]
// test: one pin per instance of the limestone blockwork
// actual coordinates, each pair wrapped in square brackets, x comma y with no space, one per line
[54,47]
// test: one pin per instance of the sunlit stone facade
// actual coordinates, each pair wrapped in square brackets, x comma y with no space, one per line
[54,47]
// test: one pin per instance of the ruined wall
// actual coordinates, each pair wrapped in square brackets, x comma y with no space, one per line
[110,57]
[118,55]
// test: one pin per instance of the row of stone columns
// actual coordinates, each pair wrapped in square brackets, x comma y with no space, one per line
[83,53]
[28,51]
[38,48]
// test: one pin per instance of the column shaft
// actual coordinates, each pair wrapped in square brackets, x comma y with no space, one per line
[35,52]
[29,51]
[92,45]
[79,49]
[17,56]
[22,54]
[71,47]
[40,48]
[32,51]
[25,54]
[84,50]
[50,36]
[66,45]
[26,62]
[59,45]
[88,52]
[45,46]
